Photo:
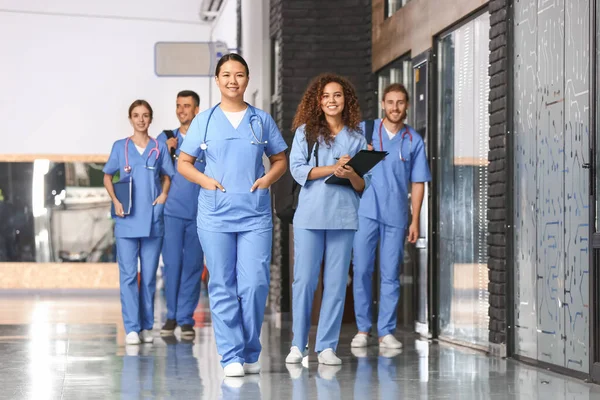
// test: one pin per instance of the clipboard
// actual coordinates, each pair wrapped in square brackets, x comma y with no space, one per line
[362,163]
[123,191]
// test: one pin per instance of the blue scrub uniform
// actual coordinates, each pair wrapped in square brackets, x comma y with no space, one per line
[235,227]
[324,225]
[181,250]
[383,216]
[139,234]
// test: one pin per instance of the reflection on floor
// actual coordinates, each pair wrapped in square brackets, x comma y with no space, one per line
[71,346]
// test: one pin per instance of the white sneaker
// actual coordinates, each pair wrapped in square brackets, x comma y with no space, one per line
[360,340]
[252,368]
[328,357]
[295,356]
[146,336]
[132,338]
[233,369]
[390,342]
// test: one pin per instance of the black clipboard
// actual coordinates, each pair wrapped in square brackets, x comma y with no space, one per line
[123,190]
[362,163]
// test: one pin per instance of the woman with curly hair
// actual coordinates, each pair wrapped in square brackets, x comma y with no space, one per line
[327,136]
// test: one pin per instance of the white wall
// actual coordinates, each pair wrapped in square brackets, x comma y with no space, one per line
[255,46]
[69,74]
[224,30]
[256,50]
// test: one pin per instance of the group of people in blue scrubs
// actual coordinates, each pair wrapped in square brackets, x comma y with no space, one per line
[218,206]
[336,225]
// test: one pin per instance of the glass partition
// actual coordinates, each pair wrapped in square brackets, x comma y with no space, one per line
[54,212]
[463,89]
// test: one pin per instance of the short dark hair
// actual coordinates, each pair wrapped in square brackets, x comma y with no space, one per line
[231,57]
[140,103]
[395,87]
[192,94]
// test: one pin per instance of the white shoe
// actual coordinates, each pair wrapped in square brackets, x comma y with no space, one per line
[132,338]
[295,356]
[328,357]
[252,368]
[146,336]
[233,369]
[390,342]
[360,340]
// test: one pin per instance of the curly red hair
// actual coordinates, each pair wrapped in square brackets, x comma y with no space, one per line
[309,110]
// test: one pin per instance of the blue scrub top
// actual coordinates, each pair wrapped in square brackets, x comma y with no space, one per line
[183,195]
[386,197]
[145,219]
[235,159]
[320,205]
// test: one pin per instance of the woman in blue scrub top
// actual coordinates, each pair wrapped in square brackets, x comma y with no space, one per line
[235,224]
[139,234]
[383,217]
[326,219]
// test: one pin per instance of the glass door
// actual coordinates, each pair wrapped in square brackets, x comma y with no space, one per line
[462,181]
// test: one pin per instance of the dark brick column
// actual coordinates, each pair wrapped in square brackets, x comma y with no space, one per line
[497,174]
[318,36]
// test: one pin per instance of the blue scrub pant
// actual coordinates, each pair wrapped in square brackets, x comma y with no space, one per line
[184,261]
[310,245]
[390,257]
[238,286]
[137,304]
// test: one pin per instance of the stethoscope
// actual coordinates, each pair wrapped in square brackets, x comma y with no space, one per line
[404,133]
[156,150]
[253,117]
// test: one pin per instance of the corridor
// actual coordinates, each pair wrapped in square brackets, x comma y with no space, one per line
[71,346]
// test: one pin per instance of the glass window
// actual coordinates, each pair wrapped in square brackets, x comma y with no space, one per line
[463,145]
[399,71]
[391,6]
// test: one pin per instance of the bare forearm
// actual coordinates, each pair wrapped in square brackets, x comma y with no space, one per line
[417,193]
[278,168]
[320,172]
[357,182]
[189,172]
[108,185]
[166,184]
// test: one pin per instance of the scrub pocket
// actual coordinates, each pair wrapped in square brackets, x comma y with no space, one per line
[207,200]
[263,200]
[158,211]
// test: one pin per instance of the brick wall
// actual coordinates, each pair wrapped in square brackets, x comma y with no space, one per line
[322,36]
[497,172]
[317,36]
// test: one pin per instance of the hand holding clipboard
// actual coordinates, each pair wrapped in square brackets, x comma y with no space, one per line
[362,163]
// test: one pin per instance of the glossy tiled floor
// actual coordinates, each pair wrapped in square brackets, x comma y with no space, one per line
[71,347]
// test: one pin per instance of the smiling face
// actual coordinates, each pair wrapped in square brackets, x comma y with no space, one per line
[232,80]
[140,118]
[395,106]
[186,110]
[332,99]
